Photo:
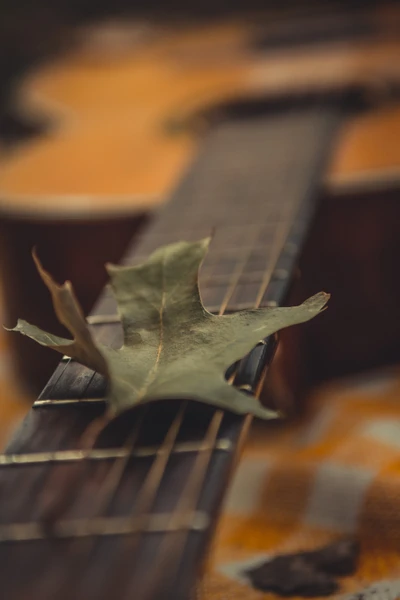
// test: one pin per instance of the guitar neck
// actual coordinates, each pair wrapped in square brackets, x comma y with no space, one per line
[132,517]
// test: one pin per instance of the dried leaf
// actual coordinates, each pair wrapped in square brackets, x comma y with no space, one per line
[307,573]
[83,348]
[339,558]
[173,347]
[292,576]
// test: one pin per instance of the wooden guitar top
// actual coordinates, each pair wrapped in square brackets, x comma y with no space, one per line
[120,105]
[111,100]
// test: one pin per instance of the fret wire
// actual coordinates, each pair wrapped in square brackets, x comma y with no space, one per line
[234,251]
[290,210]
[102,526]
[190,496]
[203,458]
[100,319]
[276,250]
[208,279]
[188,499]
[283,207]
[212,279]
[238,250]
[148,491]
[98,454]
[109,488]
[189,231]
[113,478]
[237,274]
[265,277]
[57,503]
[152,482]
[65,360]
[46,476]
[67,402]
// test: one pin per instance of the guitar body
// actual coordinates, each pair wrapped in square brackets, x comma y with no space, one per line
[146,138]
[139,99]
[148,511]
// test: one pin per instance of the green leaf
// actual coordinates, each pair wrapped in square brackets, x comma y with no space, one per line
[173,347]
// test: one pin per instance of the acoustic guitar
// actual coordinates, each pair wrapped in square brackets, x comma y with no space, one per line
[134,516]
[131,97]
[53,192]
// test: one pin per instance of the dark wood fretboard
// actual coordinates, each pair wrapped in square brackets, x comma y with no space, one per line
[134,514]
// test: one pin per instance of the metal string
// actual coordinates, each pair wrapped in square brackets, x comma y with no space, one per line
[190,495]
[172,549]
[150,486]
[56,503]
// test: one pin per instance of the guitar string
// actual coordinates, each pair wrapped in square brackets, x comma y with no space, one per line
[151,485]
[259,298]
[115,474]
[156,471]
[200,480]
[59,502]
[240,268]
[190,496]
[193,488]
[153,478]
[50,479]
[152,481]
[79,548]
[282,233]
[201,585]
[187,502]
[238,272]
[198,475]
[257,230]
[150,488]
[122,460]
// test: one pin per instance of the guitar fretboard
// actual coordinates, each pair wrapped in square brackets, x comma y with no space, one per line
[252,187]
[132,517]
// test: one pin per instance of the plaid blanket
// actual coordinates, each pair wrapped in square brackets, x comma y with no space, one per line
[334,473]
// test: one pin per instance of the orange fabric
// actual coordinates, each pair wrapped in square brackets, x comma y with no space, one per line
[335,473]
[14,403]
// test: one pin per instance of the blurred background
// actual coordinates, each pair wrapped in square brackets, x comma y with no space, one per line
[103,106]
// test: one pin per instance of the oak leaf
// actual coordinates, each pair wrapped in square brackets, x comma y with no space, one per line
[173,347]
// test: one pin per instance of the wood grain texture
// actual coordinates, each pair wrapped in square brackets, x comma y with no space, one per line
[115,105]
[362,149]
[158,565]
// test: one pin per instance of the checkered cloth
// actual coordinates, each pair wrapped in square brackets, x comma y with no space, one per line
[336,473]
